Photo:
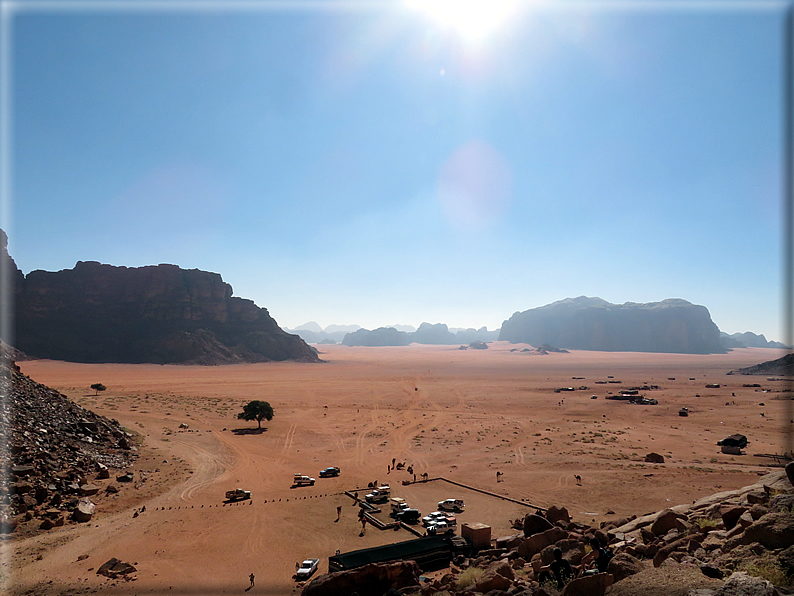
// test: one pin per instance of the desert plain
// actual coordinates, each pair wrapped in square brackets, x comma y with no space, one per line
[459,416]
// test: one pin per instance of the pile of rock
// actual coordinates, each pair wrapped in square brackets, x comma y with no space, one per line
[702,549]
[56,451]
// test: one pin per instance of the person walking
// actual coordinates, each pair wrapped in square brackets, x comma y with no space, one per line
[251,577]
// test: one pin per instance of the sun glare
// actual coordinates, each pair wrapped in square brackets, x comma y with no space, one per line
[471,19]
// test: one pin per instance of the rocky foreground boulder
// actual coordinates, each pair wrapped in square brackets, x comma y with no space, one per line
[58,452]
[734,543]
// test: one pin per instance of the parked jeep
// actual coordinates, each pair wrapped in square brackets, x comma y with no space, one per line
[455,505]
[301,480]
[237,494]
[379,495]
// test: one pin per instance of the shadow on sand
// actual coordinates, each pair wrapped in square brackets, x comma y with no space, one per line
[248,431]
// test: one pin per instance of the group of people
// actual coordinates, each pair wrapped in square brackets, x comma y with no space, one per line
[561,570]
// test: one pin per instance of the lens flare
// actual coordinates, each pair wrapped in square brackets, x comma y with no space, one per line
[473,20]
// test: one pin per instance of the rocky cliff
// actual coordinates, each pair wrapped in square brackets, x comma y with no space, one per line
[584,323]
[160,314]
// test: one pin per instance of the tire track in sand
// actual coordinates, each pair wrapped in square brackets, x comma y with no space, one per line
[209,467]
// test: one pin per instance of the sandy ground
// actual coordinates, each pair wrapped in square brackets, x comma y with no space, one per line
[459,415]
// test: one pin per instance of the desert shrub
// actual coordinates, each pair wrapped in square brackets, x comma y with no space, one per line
[468,577]
[705,522]
[766,568]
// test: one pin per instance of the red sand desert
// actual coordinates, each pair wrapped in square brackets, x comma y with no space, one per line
[453,414]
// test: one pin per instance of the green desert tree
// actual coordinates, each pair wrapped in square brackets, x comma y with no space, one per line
[257,410]
[98,387]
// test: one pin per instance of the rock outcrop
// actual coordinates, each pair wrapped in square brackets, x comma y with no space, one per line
[160,314]
[584,323]
[782,366]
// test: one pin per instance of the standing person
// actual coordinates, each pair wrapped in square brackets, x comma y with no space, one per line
[338,512]
[251,577]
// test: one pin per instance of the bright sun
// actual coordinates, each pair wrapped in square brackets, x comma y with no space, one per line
[472,19]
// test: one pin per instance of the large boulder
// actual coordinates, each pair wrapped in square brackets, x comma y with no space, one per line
[731,515]
[535,523]
[623,565]
[370,580]
[774,530]
[555,514]
[742,584]
[591,585]
[665,521]
[497,576]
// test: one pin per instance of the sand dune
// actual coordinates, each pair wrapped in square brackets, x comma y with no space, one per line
[459,415]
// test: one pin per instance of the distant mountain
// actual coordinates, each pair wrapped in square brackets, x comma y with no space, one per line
[382,336]
[433,334]
[342,328]
[782,366]
[748,340]
[310,326]
[160,314]
[405,328]
[314,334]
[584,323]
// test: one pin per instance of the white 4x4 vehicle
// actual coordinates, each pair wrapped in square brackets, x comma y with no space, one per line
[301,480]
[379,495]
[307,569]
[455,505]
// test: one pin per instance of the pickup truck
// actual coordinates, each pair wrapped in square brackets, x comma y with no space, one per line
[307,569]
[301,480]
[238,493]
[379,495]
[397,504]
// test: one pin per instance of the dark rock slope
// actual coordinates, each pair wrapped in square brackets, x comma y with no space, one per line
[584,323]
[782,366]
[160,314]
[51,446]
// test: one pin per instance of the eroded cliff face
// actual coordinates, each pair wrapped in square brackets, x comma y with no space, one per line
[672,325]
[160,314]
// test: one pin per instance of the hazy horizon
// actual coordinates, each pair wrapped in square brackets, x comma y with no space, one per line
[336,161]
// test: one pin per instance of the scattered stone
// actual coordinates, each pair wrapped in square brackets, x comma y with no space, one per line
[84,510]
[654,458]
[113,568]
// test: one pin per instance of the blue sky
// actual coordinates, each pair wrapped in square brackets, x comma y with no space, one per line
[377,164]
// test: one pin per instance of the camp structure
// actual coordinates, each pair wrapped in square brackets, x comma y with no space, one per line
[733,445]
[429,552]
